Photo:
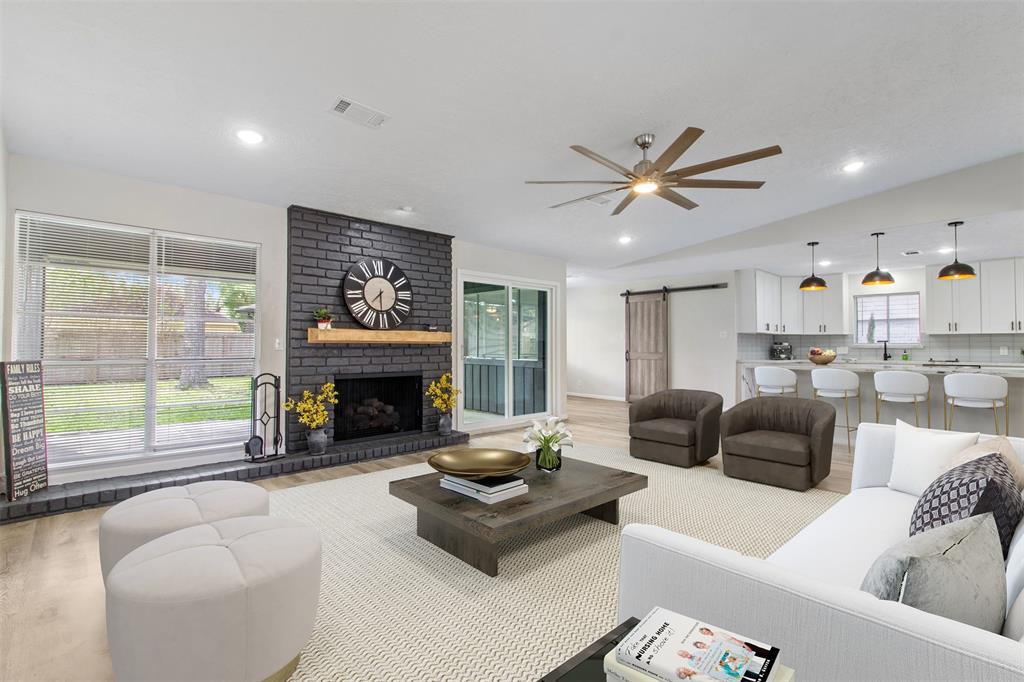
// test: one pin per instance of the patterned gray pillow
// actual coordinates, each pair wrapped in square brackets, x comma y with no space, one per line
[980,486]
[955,571]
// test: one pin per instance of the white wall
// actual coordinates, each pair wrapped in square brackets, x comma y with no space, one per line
[702,336]
[471,257]
[61,189]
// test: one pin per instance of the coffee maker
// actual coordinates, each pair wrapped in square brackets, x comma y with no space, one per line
[781,350]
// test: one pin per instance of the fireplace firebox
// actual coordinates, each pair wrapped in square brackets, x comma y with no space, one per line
[377,405]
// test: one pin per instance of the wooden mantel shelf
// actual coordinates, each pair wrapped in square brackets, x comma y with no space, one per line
[316,335]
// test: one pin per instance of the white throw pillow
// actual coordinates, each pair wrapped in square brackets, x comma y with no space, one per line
[921,455]
[999,445]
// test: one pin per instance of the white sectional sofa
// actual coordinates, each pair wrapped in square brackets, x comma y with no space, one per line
[805,598]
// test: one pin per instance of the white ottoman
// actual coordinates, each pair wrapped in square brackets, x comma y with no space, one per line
[230,600]
[145,517]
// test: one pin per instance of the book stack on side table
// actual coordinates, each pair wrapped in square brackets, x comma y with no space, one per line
[488,490]
[669,647]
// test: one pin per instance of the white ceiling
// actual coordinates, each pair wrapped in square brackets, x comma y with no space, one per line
[980,238]
[486,95]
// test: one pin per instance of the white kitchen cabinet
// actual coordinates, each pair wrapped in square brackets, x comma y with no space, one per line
[953,306]
[791,307]
[999,299]
[825,310]
[1019,288]
[758,302]
[768,298]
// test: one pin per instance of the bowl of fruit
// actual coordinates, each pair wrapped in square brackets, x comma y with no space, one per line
[821,356]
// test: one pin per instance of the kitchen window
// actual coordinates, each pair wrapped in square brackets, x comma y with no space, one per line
[147,338]
[895,318]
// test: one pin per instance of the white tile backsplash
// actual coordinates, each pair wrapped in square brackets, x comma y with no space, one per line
[982,348]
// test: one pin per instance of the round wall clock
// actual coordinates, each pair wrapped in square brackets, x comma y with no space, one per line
[377,293]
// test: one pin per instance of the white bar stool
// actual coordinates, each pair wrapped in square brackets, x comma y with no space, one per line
[902,387]
[979,391]
[838,383]
[774,381]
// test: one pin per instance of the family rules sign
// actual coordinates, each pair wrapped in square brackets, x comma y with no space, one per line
[24,425]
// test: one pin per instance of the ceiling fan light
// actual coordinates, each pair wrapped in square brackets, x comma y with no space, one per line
[813,283]
[645,186]
[877,277]
[957,270]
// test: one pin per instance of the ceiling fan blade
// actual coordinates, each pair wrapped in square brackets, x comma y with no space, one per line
[716,184]
[624,203]
[676,149]
[574,182]
[722,163]
[675,198]
[589,196]
[603,161]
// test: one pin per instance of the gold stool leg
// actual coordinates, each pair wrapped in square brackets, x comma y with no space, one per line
[952,411]
[995,417]
[928,406]
[945,407]
[917,420]
[1006,409]
[846,409]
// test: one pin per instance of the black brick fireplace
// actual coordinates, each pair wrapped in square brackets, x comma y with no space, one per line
[378,405]
[322,247]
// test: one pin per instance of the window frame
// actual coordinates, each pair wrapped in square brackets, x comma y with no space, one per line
[887,295]
[151,450]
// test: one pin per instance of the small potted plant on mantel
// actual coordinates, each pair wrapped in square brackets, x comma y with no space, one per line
[444,396]
[323,318]
[312,411]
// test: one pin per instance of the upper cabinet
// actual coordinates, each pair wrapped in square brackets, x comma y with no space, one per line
[825,310]
[758,303]
[953,306]
[769,304]
[1002,296]
[791,307]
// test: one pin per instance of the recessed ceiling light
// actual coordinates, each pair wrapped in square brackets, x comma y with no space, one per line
[625,239]
[824,263]
[249,136]
[946,249]
[853,166]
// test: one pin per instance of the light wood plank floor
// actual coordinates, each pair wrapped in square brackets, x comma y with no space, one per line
[52,622]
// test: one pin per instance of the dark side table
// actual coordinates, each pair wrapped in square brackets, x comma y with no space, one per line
[588,665]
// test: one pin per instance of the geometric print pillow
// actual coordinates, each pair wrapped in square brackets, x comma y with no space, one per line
[976,487]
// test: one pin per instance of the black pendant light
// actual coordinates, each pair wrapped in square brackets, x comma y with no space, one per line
[956,269]
[878,275]
[813,283]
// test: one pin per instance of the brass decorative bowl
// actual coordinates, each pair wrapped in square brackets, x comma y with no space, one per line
[823,358]
[474,463]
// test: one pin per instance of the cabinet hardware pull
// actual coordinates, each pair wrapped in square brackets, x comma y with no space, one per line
[956,326]
[949,326]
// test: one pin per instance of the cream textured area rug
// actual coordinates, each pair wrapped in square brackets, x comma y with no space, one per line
[394,607]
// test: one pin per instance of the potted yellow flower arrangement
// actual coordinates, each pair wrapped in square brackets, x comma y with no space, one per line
[444,397]
[312,412]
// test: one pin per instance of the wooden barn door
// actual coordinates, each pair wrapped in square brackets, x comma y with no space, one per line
[646,345]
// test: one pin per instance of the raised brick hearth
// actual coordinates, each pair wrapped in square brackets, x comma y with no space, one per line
[322,247]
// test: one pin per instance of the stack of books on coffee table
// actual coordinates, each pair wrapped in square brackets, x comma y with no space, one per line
[488,490]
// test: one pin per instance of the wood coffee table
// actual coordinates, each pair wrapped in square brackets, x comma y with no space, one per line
[471,530]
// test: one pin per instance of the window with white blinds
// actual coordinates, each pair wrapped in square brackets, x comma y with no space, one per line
[148,338]
[895,318]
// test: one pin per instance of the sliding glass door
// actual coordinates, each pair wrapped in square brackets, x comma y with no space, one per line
[505,372]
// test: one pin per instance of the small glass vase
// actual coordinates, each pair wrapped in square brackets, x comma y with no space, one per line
[317,440]
[548,460]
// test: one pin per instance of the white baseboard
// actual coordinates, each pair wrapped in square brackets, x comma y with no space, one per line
[595,396]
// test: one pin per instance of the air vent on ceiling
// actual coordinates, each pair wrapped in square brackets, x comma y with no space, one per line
[600,201]
[911,253]
[361,114]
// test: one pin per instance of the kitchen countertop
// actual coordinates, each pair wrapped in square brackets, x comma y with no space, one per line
[1008,370]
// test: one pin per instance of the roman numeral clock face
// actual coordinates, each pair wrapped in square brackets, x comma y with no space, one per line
[378,294]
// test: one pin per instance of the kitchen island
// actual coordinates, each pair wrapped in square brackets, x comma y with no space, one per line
[966,419]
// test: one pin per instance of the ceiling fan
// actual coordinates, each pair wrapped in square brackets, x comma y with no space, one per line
[654,177]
